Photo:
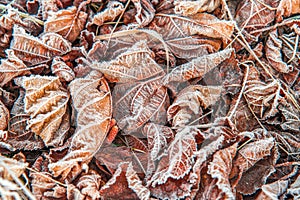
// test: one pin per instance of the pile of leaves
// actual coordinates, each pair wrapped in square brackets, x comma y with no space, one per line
[149,99]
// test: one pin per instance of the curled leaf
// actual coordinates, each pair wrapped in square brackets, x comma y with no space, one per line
[144,12]
[4,116]
[46,103]
[287,8]
[112,11]
[34,51]
[187,105]
[68,23]
[92,101]
[62,70]
[274,55]
[187,8]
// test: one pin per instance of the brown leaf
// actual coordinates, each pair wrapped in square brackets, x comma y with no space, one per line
[48,6]
[273,50]
[62,70]
[4,116]
[46,103]
[92,101]
[11,68]
[137,103]
[144,12]
[219,168]
[125,184]
[287,8]
[158,137]
[187,105]
[187,8]
[89,185]
[205,25]
[179,160]
[250,154]
[112,11]
[197,67]
[68,23]
[33,51]
[272,190]
[294,188]
[135,64]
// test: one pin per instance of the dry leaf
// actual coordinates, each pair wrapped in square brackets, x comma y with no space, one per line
[137,103]
[294,188]
[62,70]
[135,64]
[89,185]
[4,116]
[287,8]
[197,67]
[11,68]
[202,24]
[33,51]
[48,6]
[46,103]
[112,11]
[180,158]
[273,190]
[273,50]
[91,99]
[144,12]
[125,184]
[68,23]
[158,137]
[250,154]
[187,105]
[186,8]
[219,168]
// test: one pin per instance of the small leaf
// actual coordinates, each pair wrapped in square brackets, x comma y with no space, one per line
[62,70]
[287,8]
[187,8]
[4,116]
[272,190]
[144,12]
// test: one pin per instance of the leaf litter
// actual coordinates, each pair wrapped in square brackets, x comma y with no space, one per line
[149,99]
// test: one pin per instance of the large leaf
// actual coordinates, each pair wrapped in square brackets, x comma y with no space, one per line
[68,23]
[32,50]
[137,103]
[197,67]
[135,64]
[91,99]
[46,103]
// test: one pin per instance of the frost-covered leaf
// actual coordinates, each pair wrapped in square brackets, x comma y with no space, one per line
[219,168]
[48,6]
[68,23]
[112,11]
[62,70]
[158,137]
[186,7]
[46,103]
[272,190]
[33,51]
[91,99]
[294,188]
[203,24]
[89,185]
[197,67]
[125,184]
[11,168]
[144,12]
[189,103]
[179,160]
[273,50]
[11,68]
[135,64]
[137,103]
[250,154]
[4,116]
[290,117]
[287,8]
[263,98]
